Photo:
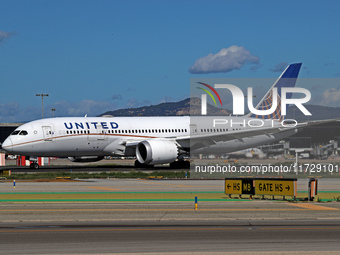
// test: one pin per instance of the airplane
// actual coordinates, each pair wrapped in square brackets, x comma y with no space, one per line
[248,153]
[152,140]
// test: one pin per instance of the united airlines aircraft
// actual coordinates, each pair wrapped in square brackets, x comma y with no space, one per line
[153,140]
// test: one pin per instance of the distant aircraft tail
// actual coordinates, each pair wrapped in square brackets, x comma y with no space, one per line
[286,79]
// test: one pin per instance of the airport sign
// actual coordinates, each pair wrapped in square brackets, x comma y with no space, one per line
[282,187]
[239,186]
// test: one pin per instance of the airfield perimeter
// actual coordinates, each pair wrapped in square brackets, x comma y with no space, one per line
[143,215]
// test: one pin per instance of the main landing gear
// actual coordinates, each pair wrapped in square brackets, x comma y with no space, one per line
[34,165]
[180,164]
[140,165]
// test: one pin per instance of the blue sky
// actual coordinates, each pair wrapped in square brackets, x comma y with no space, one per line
[93,56]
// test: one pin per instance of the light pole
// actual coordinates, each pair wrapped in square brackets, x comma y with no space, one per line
[42,103]
[53,110]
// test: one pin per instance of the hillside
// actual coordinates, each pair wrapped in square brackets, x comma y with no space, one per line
[183,108]
[168,109]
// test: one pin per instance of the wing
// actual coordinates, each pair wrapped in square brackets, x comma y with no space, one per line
[207,139]
[197,141]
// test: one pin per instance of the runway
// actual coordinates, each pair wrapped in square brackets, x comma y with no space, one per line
[141,216]
[176,237]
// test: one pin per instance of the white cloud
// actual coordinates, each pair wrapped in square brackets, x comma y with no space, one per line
[79,109]
[4,36]
[331,97]
[8,110]
[226,60]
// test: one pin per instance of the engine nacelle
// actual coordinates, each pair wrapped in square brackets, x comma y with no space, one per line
[85,159]
[152,152]
[249,155]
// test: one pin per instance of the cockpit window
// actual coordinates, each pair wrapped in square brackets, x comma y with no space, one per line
[15,132]
[23,132]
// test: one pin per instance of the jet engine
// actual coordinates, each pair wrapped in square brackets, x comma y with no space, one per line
[249,155]
[85,159]
[152,152]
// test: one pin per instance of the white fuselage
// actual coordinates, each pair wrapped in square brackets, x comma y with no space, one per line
[63,137]
[101,136]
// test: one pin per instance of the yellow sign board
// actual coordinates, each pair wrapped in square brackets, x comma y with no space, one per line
[275,187]
[233,186]
[6,173]
[247,187]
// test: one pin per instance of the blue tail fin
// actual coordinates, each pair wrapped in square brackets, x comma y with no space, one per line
[286,79]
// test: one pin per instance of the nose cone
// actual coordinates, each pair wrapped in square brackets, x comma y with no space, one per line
[7,145]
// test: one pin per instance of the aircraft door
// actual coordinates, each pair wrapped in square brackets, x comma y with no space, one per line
[193,129]
[47,133]
[100,133]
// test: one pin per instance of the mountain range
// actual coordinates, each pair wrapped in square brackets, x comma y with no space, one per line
[192,106]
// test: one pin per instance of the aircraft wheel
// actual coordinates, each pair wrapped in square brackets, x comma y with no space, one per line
[34,166]
[180,164]
[140,165]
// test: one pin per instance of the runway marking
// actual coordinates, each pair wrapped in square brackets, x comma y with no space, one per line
[111,196]
[146,210]
[321,191]
[119,192]
[301,228]
[113,229]
[163,229]
[108,194]
[101,188]
[163,184]
[314,207]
